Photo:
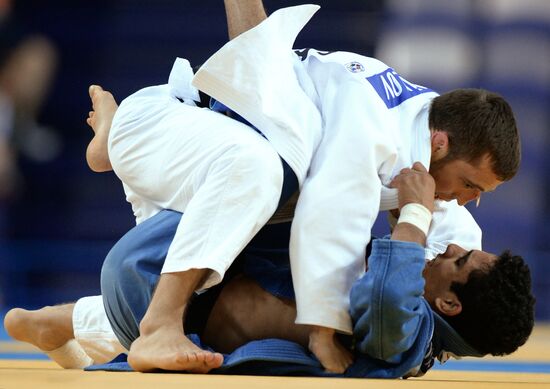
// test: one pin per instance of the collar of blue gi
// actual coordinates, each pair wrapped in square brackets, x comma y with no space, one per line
[447,341]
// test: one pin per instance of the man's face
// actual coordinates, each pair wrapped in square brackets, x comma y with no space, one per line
[455,265]
[463,181]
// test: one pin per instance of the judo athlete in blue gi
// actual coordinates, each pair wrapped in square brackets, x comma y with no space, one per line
[406,312]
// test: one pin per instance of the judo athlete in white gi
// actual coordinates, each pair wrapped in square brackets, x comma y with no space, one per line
[344,123]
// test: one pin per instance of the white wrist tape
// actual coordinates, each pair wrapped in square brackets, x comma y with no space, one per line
[417,215]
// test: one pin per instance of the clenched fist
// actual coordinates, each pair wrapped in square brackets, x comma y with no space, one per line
[415,185]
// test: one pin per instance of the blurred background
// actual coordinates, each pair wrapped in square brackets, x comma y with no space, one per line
[58,219]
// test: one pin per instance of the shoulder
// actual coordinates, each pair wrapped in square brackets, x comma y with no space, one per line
[354,63]
[391,88]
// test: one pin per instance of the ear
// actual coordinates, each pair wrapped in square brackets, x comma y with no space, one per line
[440,145]
[448,304]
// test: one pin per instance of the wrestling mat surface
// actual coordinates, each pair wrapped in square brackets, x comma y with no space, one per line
[22,366]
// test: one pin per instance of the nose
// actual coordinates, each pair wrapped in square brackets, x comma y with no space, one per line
[465,198]
[453,250]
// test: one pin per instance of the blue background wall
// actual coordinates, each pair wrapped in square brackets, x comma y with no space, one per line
[64,219]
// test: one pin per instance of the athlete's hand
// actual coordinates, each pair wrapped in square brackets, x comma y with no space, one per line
[334,357]
[415,185]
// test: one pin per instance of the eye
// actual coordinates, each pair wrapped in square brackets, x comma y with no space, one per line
[467,185]
[462,260]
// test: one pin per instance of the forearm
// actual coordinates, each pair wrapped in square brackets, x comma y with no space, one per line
[242,15]
[407,232]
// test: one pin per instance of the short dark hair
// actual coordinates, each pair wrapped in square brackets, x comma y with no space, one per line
[478,122]
[497,306]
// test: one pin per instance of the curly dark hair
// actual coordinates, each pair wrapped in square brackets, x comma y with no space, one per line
[497,306]
[478,122]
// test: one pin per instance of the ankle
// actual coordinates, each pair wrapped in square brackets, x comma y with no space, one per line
[149,325]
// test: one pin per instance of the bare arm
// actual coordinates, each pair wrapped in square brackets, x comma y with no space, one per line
[406,232]
[242,15]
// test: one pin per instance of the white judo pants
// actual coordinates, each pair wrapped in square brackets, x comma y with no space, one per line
[93,332]
[224,176]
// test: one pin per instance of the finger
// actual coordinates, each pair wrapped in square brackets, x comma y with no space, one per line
[395,182]
[419,167]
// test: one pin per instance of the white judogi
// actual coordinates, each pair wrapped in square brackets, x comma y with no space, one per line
[358,123]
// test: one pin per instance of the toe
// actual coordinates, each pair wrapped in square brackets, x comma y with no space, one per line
[12,321]
[218,360]
[93,90]
[208,357]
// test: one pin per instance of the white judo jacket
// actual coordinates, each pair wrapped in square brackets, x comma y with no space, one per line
[346,124]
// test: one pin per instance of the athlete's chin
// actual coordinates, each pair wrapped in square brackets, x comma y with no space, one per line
[443,197]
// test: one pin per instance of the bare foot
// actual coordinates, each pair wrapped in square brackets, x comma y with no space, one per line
[334,357]
[100,118]
[48,328]
[170,349]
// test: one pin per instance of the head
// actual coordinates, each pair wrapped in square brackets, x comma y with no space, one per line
[475,143]
[486,298]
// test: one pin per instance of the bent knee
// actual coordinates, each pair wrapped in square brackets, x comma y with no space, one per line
[260,166]
[120,267]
